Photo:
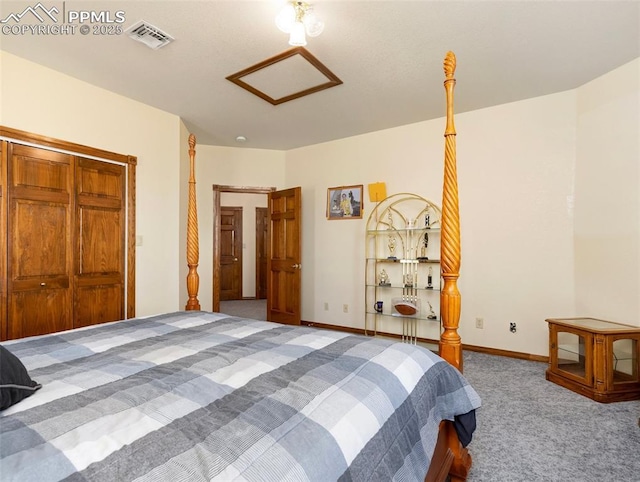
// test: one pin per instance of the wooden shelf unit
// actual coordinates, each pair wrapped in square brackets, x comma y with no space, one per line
[595,358]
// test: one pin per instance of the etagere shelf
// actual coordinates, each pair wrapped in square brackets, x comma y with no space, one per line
[402,268]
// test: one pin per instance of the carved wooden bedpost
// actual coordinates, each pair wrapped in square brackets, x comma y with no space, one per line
[450,346]
[193,251]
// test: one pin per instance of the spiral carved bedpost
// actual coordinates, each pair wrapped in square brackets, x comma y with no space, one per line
[193,250]
[450,346]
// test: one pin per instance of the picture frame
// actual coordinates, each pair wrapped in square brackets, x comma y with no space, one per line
[344,202]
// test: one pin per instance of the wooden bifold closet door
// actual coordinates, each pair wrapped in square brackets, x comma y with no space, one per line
[68,231]
[99,272]
[40,264]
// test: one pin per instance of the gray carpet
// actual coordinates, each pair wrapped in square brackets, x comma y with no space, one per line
[530,429]
[254,309]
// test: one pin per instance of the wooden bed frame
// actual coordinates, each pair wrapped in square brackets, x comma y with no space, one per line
[450,459]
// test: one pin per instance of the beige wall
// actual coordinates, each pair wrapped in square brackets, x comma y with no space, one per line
[549,205]
[226,166]
[607,212]
[515,169]
[533,175]
[45,102]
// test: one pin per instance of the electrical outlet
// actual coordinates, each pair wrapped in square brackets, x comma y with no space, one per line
[512,327]
[480,323]
[326,306]
[345,308]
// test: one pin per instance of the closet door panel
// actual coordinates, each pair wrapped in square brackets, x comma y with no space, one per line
[98,302]
[100,237]
[39,312]
[39,260]
[39,244]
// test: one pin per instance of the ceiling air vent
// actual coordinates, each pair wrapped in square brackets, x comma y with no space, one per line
[149,35]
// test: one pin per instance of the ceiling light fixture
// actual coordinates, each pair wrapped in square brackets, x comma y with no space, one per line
[298,19]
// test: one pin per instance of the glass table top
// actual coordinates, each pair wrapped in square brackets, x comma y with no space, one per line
[594,324]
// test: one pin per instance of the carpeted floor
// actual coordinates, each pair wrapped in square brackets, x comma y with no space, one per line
[530,429]
[255,309]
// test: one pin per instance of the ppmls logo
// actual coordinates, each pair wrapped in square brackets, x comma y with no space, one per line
[39,11]
[103,22]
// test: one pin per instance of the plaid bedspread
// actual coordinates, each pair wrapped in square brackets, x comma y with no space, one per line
[193,396]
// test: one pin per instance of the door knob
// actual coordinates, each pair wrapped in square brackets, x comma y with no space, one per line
[43,284]
[235,259]
[297,266]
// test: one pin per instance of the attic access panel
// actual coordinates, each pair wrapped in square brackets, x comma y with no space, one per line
[294,70]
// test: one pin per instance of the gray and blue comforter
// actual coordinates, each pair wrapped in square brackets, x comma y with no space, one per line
[196,396]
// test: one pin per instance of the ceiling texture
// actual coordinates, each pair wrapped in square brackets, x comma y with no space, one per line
[388,55]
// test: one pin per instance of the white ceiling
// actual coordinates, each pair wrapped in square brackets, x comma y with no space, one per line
[388,54]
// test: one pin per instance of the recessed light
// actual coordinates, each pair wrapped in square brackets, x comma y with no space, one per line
[241,139]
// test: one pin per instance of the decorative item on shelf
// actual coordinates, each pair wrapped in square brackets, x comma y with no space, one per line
[408,280]
[392,238]
[392,247]
[383,279]
[427,220]
[432,314]
[405,308]
[430,279]
[378,306]
[423,248]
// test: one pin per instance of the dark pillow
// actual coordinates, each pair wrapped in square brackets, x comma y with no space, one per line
[15,382]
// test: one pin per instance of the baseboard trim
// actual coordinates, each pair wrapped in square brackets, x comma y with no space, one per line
[360,331]
[357,331]
[507,353]
[479,349]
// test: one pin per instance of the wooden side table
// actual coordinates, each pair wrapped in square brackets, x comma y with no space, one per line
[596,358]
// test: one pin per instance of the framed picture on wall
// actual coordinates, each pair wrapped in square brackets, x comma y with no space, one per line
[344,202]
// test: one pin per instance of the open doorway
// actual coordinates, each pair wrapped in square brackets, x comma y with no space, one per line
[243,245]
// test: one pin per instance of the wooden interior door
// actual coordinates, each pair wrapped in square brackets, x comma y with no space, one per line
[40,263]
[100,242]
[230,253]
[284,262]
[262,230]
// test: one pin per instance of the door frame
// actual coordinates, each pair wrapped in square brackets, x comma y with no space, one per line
[218,189]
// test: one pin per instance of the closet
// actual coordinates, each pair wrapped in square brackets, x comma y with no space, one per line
[67,235]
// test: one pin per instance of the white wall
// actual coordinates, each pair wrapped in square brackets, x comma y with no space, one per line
[516,172]
[607,219]
[42,101]
[227,166]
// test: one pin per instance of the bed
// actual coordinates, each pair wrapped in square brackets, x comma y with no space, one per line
[194,395]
